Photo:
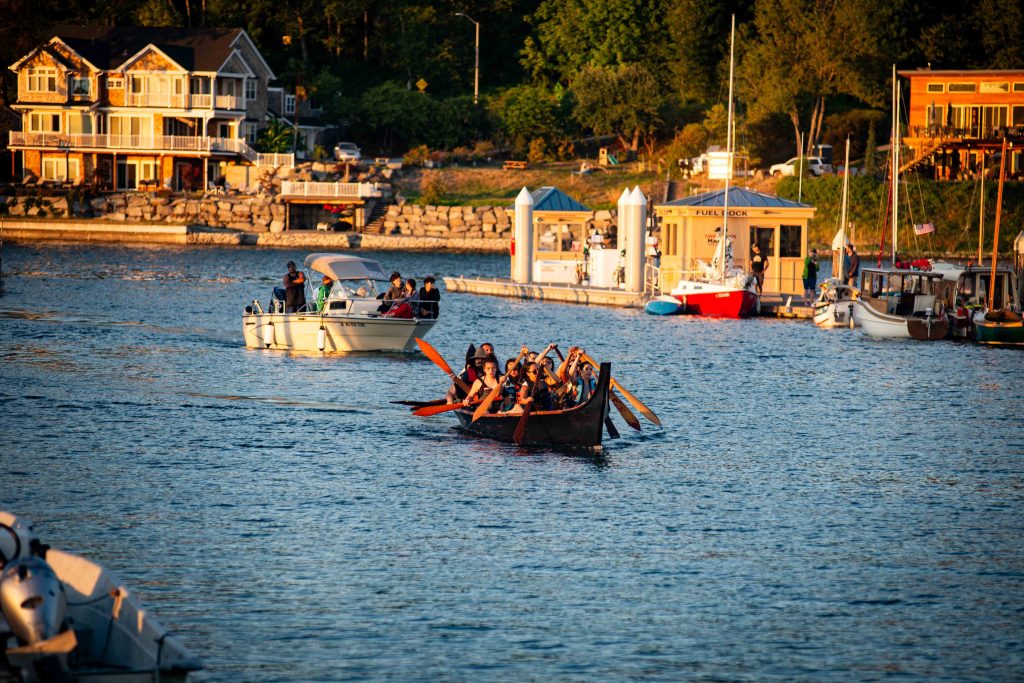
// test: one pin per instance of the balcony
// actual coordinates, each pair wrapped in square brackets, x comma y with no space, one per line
[134,143]
[166,100]
[314,190]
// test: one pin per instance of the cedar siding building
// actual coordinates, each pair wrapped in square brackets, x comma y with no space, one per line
[126,108]
[957,120]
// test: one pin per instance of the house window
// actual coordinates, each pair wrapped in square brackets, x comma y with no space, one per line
[147,171]
[199,85]
[963,87]
[44,123]
[250,89]
[764,238]
[995,87]
[250,133]
[79,86]
[1018,115]
[289,104]
[136,84]
[936,87]
[115,83]
[789,241]
[42,79]
[57,168]
[1018,87]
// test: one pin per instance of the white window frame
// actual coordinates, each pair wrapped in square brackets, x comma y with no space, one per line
[39,76]
[1018,87]
[56,168]
[250,133]
[935,87]
[76,82]
[994,87]
[962,87]
[251,88]
[44,122]
[115,83]
[145,171]
[289,104]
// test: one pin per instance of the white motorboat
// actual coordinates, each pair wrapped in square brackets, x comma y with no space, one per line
[900,304]
[63,617]
[834,305]
[349,319]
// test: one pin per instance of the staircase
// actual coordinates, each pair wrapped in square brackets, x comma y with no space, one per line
[375,221]
[933,145]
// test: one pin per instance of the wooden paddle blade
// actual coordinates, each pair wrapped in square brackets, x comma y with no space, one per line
[485,405]
[432,353]
[637,403]
[427,411]
[612,431]
[627,414]
[520,432]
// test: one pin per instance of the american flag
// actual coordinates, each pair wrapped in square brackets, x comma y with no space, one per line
[923,228]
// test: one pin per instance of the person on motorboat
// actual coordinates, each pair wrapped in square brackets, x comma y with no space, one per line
[395,292]
[295,289]
[429,296]
[323,292]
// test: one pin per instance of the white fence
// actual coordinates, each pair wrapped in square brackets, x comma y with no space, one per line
[286,160]
[293,188]
[162,143]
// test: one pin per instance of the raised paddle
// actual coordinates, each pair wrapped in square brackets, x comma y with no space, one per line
[624,411]
[520,432]
[637,403]
[427,411]
[485,405]
[431,353]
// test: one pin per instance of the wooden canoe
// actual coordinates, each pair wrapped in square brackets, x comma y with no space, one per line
[581,426]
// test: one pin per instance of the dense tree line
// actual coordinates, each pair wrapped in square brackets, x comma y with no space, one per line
[648,73]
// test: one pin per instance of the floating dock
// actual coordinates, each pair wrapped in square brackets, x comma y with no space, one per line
[771,305]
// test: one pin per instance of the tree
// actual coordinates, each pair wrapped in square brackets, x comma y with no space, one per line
[619,100]
[796,63]
[528,112]
[276,138]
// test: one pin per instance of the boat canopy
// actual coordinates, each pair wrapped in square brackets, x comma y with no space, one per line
[345,267]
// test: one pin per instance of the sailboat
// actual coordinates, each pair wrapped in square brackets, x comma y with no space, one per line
[899,303]
[999,326]
[720,289]
[834,305]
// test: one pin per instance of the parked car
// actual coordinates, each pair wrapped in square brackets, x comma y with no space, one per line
[347,151]
[816,165]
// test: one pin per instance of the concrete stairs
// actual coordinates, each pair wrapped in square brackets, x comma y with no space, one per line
[375,221]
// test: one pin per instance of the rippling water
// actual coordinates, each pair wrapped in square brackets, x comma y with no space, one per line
[819,505]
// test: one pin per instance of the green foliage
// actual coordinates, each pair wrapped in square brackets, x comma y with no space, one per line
[528,112]
[870,167]
[416,156]
[277,138]
[434,187]
[623,100]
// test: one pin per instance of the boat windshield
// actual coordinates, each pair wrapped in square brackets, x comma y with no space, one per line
[364,288]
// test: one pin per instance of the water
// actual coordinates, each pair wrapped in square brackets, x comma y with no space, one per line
[819,505]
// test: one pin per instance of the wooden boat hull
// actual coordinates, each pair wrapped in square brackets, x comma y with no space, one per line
[999,333]
[579,427]
[874,323]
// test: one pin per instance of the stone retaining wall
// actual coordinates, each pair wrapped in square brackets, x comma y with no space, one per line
[467,221]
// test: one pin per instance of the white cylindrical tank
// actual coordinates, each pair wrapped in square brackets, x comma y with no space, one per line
[522,262]
[622,226]
[635,243]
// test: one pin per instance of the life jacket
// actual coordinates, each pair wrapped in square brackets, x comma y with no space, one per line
[580,386]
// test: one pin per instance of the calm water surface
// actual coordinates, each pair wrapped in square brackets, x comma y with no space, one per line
[819,505]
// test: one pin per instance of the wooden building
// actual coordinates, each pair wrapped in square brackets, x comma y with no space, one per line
[690,227]
[957,120]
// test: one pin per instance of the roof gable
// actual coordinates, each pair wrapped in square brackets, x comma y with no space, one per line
[235,64]
[738,197]
[152,58]
[195,49]
[553,199]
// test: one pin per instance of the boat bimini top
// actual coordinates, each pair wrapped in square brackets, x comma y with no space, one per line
[345,267]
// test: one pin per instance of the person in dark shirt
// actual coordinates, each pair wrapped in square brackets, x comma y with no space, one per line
[396,292]
[295,289]
[854,272]
[758,264]
[429,298]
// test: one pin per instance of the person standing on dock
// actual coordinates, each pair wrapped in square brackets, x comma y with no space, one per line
[853,271]
[294,289]
[810,276]
[759,265]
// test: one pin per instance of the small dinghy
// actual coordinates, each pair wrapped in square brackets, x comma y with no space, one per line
[664,305]
[63,618]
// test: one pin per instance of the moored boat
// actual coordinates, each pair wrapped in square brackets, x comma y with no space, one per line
[349,320]
[900,304]
[577,427]
[663,305]
[834,305]
[71,619]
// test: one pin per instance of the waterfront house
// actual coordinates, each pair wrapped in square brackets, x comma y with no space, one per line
[957,120]
[130,108]
[690,227]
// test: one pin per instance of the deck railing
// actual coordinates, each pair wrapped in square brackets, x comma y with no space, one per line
[286,160]
[162,143]
[294,188]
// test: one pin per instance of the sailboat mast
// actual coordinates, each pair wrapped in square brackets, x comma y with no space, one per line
[995,235]
[728,154]
[981,211]
[895,163]
[846,189]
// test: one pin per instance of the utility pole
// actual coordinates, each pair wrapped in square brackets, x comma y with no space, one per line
[476,68]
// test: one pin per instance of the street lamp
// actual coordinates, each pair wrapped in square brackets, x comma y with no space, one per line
[476,68]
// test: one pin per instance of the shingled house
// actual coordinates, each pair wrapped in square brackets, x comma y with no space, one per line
[129,108]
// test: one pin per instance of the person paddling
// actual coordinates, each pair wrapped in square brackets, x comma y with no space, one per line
[484,384]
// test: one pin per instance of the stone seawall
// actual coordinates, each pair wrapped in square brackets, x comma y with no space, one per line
[467,221]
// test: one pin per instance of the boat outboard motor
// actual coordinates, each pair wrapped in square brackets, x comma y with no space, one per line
[32,600]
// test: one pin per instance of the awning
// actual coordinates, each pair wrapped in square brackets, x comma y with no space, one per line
[344,267]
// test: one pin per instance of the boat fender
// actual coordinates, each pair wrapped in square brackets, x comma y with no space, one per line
[268,336]
[321,338]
